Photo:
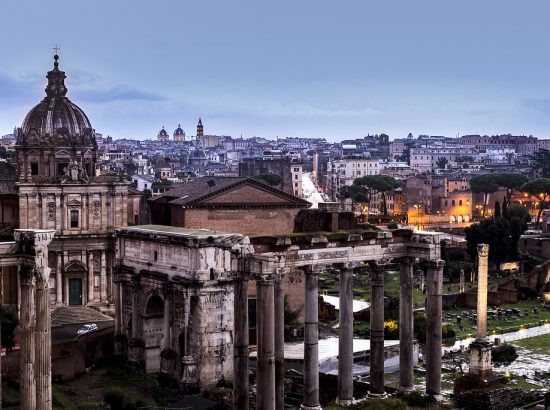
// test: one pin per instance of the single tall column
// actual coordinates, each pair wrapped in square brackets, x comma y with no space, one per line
[26,317]
[43,346]
[482,289]
[311,340]
[167,323]
[59,280]
[377,332]
[433,328]
[480,349]
[265,399]
[103,277]
[406,374]
[345,337]
[118,306]
[90,277]
[136,345]
[240,346]
[279,341]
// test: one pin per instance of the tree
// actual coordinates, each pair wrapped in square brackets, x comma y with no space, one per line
[539,188]
[9,323]
[406,156]
[505,208]
[378,184]
[497,209]
[356,193]
[511,181]
[442,163]
[484,183]
[541,162]
[270,179]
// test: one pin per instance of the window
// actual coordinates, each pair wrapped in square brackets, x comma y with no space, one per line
[460,202]
[74,218]
[61,168]
[446,203]
[453,203]
[34,168]
[296,176]
[156,256]
[296,184]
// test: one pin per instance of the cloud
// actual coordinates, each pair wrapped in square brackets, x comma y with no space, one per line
[116,93]
[309,110]
[18,88]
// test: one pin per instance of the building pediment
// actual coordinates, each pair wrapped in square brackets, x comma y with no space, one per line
[74,202]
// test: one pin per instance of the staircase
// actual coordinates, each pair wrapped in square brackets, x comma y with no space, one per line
[69,315]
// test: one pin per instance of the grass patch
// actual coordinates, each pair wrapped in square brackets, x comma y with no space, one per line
[536,344]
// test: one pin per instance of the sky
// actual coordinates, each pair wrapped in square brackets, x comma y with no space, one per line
[299,68]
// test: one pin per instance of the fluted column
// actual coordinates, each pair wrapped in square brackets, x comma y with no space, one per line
[311,340]
[433,327]
[406,328]
[265,399]
[59,280]
[103,277]
[345,337]
[43,339]
[377,332]
[26,353]
[279,340]
[240,346]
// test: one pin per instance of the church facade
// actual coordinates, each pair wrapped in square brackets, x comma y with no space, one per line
[57,189]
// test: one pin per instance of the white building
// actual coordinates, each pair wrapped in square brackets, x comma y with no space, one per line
[425,159]
[296,171]
[342,172]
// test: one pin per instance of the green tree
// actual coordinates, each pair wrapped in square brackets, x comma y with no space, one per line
[486,184]
[539,188]
[378,184]
[442,163]
[9,321]
[270,179]
[540,162]
[505,208]
[497,209]
[357,194]
[511,181]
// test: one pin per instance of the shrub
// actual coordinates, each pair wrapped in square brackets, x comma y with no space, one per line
[504,354]
[114,398]
[391,329]
[447,332]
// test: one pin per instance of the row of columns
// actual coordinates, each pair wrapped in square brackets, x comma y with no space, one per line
[270,334]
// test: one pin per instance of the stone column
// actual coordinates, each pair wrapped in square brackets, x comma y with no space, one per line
[240,346]
[27,351]
[345,337]
[480,349]
[43,339]
[59,280]
[279,340]
[265,399]
[168,355]
[136,345]
[377,332]
[311,340]
[461,284]
[406,328]
[91,277]
[103,277]
[433,328]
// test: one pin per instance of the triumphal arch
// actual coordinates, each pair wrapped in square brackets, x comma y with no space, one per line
[188,289]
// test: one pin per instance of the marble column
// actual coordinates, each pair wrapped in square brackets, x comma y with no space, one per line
[279,340]
[240,346]
[43,340]
[27,351]
[91,278]
[377,332]
[433,327]
[265,399]
[461,283]
[168,356]
[480,349]
[103,277]
[406,328]
[136,345]
[59,280]
[345,337]
[311,340]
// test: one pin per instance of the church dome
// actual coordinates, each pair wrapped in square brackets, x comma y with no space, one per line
[56,120]
[162,132]
[179,131]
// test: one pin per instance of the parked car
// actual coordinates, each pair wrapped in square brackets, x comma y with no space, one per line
[90,327]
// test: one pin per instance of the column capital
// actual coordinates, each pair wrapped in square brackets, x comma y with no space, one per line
[436,264]
[313,270]
[26,276]
[168,288]
[348,265]
[34,243]
[407,259]
[482,250]
[42,277]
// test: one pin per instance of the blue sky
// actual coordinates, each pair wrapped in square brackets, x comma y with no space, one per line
[285,68]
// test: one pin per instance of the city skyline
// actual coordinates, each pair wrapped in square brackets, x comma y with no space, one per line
[285,69]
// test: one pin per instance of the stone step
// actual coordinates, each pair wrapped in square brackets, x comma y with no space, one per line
[67,315]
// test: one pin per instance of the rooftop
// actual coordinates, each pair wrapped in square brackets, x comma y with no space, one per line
[174,231]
